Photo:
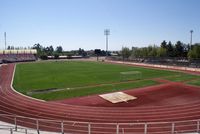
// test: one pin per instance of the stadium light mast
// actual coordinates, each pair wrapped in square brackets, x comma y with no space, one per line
[191,32]
[106,33]
[5,39]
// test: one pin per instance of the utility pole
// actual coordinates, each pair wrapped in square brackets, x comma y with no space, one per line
[191,31]
[5,39]
[106,33]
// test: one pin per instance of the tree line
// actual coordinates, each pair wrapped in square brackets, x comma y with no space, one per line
[44,52]
[165,50]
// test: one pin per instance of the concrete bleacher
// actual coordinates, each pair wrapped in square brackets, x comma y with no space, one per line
[7,56]
[17,57]
[6,128]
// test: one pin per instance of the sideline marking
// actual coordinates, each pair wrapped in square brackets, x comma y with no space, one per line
[11,85]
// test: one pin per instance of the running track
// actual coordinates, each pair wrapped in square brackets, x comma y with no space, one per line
[174,108]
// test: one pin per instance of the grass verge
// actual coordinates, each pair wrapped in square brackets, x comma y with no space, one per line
[93,90]
[182,77]
[195,82]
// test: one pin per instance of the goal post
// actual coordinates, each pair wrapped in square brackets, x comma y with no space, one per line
[130,75]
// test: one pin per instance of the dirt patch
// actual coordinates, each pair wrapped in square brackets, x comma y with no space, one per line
[168,94]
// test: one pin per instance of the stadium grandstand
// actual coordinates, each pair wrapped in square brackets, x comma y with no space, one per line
[22,55]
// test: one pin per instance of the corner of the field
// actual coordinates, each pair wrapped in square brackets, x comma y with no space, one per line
[19,92]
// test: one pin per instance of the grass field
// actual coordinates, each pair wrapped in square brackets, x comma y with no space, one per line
[195,82]
[93,90]
[183,77]
[77,78]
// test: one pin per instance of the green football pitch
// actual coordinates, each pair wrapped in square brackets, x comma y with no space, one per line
[66,79]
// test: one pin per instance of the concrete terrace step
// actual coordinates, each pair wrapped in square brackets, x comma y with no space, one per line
[7,128]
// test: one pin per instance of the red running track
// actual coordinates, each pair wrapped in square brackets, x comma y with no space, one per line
[161,104]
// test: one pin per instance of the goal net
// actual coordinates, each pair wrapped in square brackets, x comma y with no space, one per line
[130,75]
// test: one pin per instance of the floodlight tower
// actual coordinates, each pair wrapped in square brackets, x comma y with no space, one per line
[5,39]
[191,32]
[106,33]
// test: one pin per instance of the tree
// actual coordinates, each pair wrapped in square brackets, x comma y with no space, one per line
[186,49]
[164,44]
[44,56]
[97,52]
[103,53]
[194,52]
[144,52]
[39,49]
[82,52]
[170,49]
[56,56]
[134,52]
[9,47]
[152,51]
[59,49]
[161,52]
[125,53]
[179,49]
[49,50]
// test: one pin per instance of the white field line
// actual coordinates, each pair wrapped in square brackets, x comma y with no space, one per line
[11,85]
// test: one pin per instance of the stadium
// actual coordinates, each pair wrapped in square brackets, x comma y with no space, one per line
[99,67]
[95,97]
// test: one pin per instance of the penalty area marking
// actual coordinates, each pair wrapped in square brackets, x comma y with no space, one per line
[117,97]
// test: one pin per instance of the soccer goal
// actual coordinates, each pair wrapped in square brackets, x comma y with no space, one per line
[130,75]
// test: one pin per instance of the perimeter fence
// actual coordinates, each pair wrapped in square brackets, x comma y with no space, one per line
[178,61]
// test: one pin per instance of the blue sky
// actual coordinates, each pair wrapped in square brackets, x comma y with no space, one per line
[77,24]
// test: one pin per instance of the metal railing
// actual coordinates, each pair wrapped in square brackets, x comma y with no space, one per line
[63,127]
